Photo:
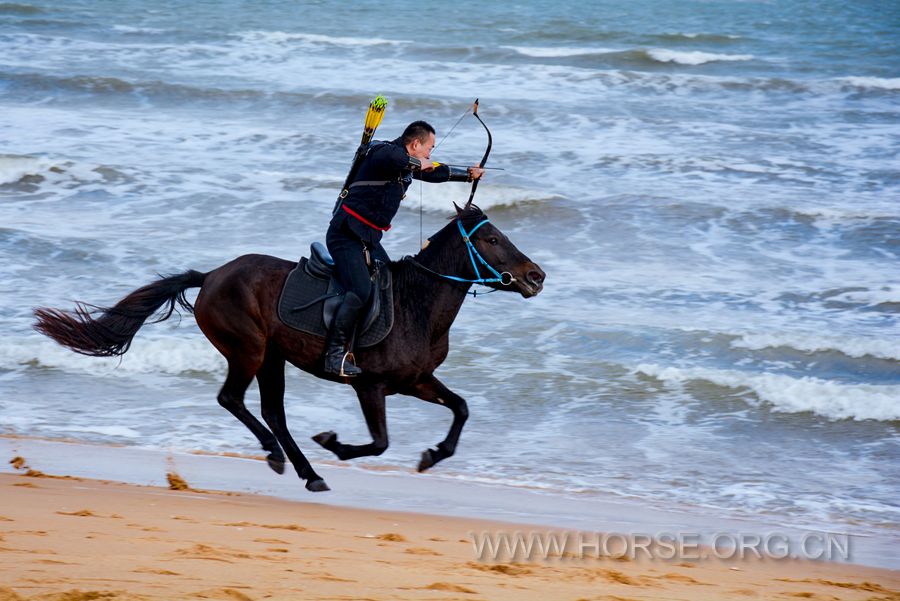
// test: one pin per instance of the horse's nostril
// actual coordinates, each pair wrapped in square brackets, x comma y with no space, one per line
[535,277]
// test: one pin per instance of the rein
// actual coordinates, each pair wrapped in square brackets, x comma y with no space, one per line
[504,279]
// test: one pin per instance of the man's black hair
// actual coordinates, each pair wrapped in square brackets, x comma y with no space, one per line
[417,130]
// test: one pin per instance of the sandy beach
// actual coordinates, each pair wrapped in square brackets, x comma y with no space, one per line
[72,538]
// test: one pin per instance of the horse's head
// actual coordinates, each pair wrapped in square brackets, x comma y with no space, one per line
[503,260]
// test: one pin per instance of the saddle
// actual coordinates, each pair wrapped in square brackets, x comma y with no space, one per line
[311,296]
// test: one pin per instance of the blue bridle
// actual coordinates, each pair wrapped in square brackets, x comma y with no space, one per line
[504,279]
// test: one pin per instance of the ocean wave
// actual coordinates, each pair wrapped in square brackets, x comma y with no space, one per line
[29,173]
[13,8]
[694,57]
[161,92]
[871,83]
[112,431]
[787,394]
[185,353]
[105,85]
[630,55]
[283,37]
[558,51]
[812,343]
[440,197]
[14,168]
[881,296]
[695,37]
[131,29]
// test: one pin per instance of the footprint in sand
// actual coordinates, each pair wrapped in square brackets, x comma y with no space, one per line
[82,513]
[510,569]
[421,551]
[155,571]
[211,553]
[291,527]
[682,578]
[222,594]
[450,588]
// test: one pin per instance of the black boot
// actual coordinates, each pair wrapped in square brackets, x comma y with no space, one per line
[339,335]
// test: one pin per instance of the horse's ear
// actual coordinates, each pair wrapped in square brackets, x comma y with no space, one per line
[458,209]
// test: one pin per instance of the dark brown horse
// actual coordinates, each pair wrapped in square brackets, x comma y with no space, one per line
[236,309]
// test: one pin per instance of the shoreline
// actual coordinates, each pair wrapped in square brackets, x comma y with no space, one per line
[360,488]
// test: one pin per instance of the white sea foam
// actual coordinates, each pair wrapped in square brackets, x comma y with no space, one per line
[117,431]
[693,35]
[813,343]
[787,394]
[13,167]
[881,295]
[170,355]
[557,52]
[130,29]
[882,83]
[281,37]
[693,57]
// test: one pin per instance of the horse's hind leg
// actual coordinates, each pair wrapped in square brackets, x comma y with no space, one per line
[371,400]
[231,397]
[271,395]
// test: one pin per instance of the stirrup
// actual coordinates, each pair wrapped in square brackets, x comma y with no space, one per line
[349,355]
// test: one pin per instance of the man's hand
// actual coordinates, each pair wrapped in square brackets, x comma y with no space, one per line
[475,172]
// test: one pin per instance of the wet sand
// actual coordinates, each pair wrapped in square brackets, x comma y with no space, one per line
[65,538]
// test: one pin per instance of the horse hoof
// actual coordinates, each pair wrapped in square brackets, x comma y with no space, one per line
[426,461]
[317,486]
[276,464]
[325,438]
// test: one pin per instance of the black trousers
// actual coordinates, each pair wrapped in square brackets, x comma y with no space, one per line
[348,252]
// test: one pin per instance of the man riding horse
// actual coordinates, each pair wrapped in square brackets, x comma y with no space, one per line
[362,216]
[237,308]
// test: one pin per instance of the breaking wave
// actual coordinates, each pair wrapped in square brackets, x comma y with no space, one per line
[809,343]
[13,168]
[186,353]
[314,39]
[787,394]
[695,57]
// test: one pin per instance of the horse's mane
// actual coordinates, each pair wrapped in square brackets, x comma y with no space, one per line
[469,216]
[409,276]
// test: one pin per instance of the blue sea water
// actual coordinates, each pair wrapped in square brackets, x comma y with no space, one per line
[711,186]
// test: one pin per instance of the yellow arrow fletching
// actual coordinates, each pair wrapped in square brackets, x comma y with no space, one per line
[375,112]
[373,117]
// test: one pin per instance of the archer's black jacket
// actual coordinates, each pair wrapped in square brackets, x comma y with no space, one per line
[380,185]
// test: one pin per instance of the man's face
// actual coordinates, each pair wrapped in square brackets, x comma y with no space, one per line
[422,150]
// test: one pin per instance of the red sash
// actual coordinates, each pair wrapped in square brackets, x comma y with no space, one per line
[363,219]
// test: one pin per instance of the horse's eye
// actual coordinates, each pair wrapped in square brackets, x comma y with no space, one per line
[493,240]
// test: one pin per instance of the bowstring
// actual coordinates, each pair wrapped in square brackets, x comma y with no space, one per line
[421,201]
[420,215]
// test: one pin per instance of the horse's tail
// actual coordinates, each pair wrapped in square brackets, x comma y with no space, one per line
[107,331]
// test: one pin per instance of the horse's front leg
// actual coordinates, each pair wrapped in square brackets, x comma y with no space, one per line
[371,400]
[432,390]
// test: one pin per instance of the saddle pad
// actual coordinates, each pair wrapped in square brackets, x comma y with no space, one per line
[301,306]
